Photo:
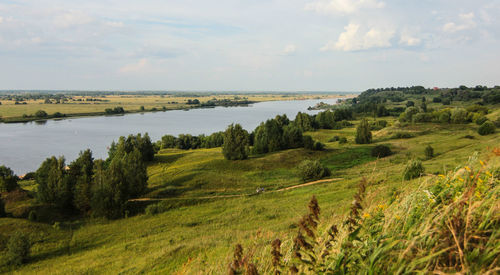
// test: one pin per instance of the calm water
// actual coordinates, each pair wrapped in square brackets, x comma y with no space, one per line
[24,146]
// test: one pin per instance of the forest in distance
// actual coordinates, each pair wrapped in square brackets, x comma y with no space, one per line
[393,180]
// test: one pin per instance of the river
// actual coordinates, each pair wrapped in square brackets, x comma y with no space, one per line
[23,146]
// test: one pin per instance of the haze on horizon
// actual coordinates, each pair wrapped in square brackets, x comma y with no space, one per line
[278,45]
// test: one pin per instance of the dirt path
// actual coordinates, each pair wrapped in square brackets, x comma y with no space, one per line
[243,195]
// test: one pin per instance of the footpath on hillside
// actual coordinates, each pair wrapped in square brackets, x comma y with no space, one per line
[244,195]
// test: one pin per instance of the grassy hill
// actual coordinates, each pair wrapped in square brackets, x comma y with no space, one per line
[200,228]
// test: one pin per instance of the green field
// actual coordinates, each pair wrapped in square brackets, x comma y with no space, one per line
[198,234]
[78,106]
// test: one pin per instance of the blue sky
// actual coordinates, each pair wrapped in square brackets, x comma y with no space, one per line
[254,45]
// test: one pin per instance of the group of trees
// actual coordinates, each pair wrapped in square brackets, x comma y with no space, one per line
[97,187]
[187,142]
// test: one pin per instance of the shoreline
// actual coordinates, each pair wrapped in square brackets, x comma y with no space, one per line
[13,120]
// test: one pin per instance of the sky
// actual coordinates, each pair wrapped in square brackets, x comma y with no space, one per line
[248,45]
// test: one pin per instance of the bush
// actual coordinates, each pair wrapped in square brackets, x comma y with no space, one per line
[153,209]
[41,114]
[18,249]
[333,139]
[429,152]
[310,170]
[343,140]
[381,151]
[400,135]
[487,128]
[413,169]
[318,146]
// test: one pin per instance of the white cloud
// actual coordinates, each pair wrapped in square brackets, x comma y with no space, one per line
[354,39]
[134,67]
[289,49]
[343,6]
[466,22]
[408,39]
[1,20]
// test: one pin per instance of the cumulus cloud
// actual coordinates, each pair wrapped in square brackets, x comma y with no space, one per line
[134,67]
[343,6]
[466,22]
[355,39]
[289,49]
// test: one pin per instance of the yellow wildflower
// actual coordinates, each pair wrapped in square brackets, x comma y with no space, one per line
[398,217]
[366,215]
[480,180]
[467,168]
[482,162]
[442,176]
[489,174]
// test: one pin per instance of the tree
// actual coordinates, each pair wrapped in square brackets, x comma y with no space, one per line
[292,137]
[8,180]
[2,208]
[363,133]
[268,137]
[486,128]
[304,122]
[429,152]
[80,173]
[54,185]
[41,114]
[235,145]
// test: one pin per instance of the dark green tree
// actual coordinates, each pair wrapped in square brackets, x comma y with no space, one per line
[18,249]
[363,133]
[8,180]
[2,208]
[235,145]
[304,122]
[81,172]
[292,136]
[53,182]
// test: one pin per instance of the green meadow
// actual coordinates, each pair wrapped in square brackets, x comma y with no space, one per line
[213,203]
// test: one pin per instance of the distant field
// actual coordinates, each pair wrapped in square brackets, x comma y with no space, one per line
[198,237]
[131,103]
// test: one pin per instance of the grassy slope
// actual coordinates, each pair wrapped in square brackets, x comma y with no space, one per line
[200,237]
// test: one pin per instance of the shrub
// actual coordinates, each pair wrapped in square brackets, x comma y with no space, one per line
[429,152]
[32,216]
[363,133]
[343,140]
[312,170]
[400,135]
[381,151]
[18,249]
[41,114]
[318,146]
[153,209]
[458,116]
[333,139]
[413,169]
[487,128]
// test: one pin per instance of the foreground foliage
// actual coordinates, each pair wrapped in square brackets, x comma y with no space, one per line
[451,224]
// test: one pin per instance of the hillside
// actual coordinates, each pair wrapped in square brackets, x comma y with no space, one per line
[205,205]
